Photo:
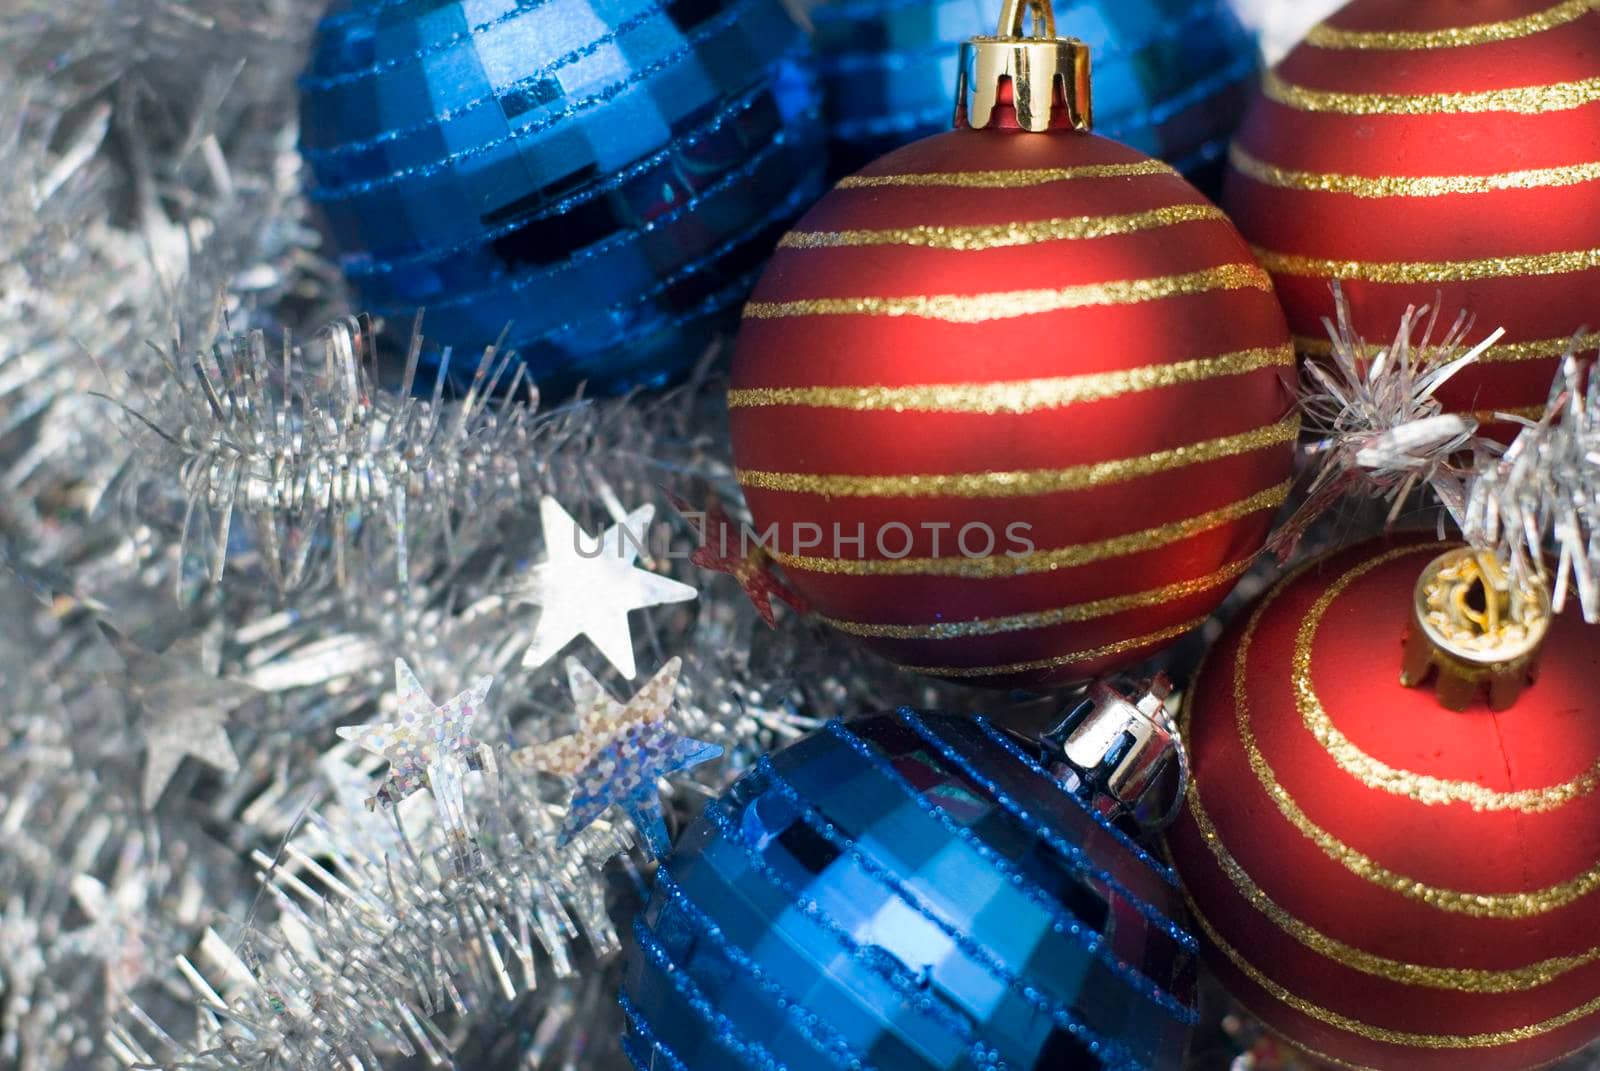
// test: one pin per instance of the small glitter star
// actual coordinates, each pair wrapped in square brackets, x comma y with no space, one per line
[720,543]
[618,753]
[116,929]
[185,705]
[588,588]
[429,747]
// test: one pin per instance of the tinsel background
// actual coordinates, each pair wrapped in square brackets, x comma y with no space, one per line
[173,561]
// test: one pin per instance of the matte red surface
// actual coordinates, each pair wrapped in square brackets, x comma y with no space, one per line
[1551,737]
[1468,226]
[898,351]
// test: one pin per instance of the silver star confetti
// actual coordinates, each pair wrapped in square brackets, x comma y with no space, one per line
[428,747]
[588,588]
[185,706]
[618,753]
[114,936]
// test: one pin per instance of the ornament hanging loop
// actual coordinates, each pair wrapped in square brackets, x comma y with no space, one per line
[1014,12]
[1044,78]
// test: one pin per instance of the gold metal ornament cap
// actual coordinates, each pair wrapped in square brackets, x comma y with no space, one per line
[1043,72]
[1473,628]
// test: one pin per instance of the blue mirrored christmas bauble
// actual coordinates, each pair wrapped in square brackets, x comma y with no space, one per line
[908,891]
[1171,77]
[603,176]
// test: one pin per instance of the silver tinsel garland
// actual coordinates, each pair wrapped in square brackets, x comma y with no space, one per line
[1546,489]
[315,523]
[316,520]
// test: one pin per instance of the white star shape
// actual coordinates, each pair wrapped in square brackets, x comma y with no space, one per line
[588,589]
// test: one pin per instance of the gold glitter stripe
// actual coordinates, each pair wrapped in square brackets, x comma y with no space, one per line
[1454,979]
[1022,396]
[1022,482]
[1439,271]
[1009,304]
[1493,416]
[1004,235]
[1120,647]
[1380,186]
[1008,180]
[1407,1039]
[1420,788]
[1477,905]
[1061,615]
[1043,561]
[1523,100]
[1331,37]
[1542,350]
[1291,1045]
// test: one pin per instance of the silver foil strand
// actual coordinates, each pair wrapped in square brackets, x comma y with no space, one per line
[1538,505]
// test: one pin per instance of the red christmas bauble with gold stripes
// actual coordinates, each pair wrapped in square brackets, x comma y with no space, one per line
[1385,882]
[1014,407]
[1435,153]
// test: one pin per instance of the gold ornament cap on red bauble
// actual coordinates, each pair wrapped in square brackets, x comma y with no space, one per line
[1016,406]
[1386,882]
[1442,153]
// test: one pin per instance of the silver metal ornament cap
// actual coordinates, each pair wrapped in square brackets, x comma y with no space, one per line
[1113,747]
[1047,76]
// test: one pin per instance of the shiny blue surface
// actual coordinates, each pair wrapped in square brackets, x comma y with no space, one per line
[1171,77]
[604,176]
[908,891]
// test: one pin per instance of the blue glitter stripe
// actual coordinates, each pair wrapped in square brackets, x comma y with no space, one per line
[1063,920]
[835,1045]
[729,296]
[722,185]
[1167,874]
[1058,1012]
[724,1029]
[735,107]
[648,1036]
[713,305]
[312,82]
[899,978]
[703,33]
[1076,855]
[788,207]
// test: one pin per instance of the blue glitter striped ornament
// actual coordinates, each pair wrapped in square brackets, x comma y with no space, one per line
[603,176]
[1171,77]
[908,891]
